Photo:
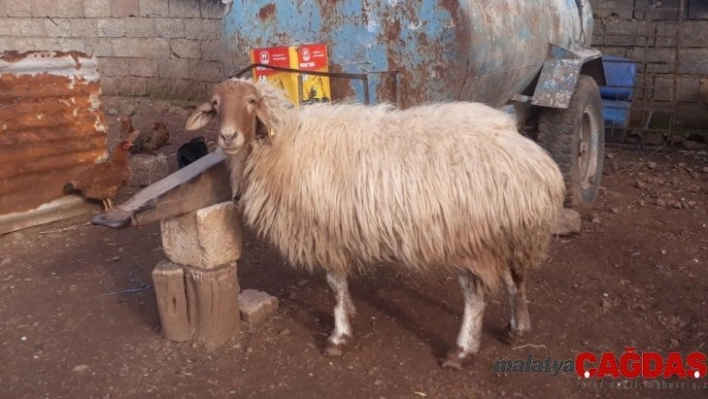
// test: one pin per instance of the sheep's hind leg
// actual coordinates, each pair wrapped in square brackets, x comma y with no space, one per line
[469,338]
[520,321]
[343,309]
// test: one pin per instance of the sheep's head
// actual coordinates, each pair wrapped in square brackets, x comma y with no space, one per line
[242,114]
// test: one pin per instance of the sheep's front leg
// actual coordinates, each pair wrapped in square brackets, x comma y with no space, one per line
[342,310]
[520,321]
[469,337]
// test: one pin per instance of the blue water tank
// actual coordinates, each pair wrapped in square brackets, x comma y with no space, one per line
[620,74]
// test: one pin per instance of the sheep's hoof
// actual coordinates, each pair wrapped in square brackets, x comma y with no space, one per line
[336,350]
[455,358]
[511,337]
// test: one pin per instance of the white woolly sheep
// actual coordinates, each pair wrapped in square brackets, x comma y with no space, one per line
[347,187]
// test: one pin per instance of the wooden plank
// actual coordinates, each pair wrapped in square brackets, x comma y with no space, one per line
[168,280]
[198,185]
[62,208]
[213,304]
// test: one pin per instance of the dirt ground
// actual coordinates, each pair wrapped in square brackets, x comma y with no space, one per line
[634,276]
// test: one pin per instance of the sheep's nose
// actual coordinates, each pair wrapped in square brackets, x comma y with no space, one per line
[226,137]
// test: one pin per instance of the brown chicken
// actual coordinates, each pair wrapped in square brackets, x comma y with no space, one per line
[126,125]
[149,142]
[102,181]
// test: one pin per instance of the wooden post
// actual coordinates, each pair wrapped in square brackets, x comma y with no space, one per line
[197,290]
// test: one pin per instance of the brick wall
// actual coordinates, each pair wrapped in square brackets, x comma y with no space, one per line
[164,48]
[640,19]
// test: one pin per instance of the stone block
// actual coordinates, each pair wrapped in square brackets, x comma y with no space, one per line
[205,238]
[139,27]
[568,223]
[211,9]
[48,43]
[184,48]
[141,48]
[154,8]
[172,68]
[144,67]
[19,8]
[124,8]
[124,86]
[43,8]
[21,44]
[57,27]
[147,169]
[99,47]
[256,306]
[114,66]
[208,71]
[10,27]
[110,27]
[204,29]
[211,50]
[169,28]
[32,27]
[184,9]
[3,8]
[97,8]
[70,8]
[84,28]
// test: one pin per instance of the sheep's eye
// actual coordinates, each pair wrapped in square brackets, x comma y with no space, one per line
[214,103]
[252,101]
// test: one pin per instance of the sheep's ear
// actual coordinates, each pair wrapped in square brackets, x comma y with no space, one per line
[200,117]
[264,118]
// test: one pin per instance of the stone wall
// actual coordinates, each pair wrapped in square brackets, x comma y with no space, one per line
[639,20]
[163,48]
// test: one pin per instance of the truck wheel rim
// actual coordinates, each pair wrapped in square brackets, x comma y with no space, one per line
[588,149]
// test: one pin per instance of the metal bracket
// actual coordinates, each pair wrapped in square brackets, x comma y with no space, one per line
[559,74]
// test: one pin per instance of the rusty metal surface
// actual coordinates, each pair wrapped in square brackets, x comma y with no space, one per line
[51,124]
[474,50]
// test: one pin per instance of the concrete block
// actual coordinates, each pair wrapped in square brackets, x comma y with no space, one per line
[694,61]
[124,8]
[205,238]
[256,306]
[621,9]
[184,48]
[70,8]
[154,8]
[110,27]
[21,44]
[97,8]
[19,8]
[10,27]
[147,169]
[211,50]
[48,43]
[139,48]
[139,27]
[99,47]
[144,67]
[3,8]
[211,9]
[57,27]
[129,86]
[169,28]
[568,223]
[173,68]
[84,28]
[179,88]
[114,66]
[208,71]
[184,9]
[201,28]
[43,8]
[32,27]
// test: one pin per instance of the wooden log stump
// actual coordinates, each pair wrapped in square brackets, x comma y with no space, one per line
[197,289]
[198,305]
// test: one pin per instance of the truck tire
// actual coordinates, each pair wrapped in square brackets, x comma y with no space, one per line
[575,138]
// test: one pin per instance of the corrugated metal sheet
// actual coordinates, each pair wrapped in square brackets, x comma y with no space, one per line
[51,124]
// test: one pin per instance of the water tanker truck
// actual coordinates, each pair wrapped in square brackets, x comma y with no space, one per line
[532,58]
